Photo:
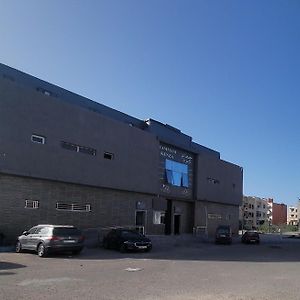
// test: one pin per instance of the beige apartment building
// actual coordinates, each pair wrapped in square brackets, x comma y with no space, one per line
[292,216]
[253,212]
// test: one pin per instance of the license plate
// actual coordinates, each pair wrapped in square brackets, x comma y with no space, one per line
[69,241]
[222,235]
[142,247]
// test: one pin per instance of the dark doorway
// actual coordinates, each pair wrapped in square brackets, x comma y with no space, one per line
[176,224]
[168,218]
[140,220]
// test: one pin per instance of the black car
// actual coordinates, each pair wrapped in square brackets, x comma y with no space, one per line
[126,240]
[223,234]
[51,238]
[250,237]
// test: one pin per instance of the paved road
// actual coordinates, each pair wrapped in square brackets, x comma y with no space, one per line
[190,270]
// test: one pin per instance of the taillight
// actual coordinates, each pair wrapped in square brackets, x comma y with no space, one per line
[81,238]
[55,238]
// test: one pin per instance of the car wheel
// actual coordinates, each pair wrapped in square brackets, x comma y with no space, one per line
[41,250]
[18,247]
[123,248]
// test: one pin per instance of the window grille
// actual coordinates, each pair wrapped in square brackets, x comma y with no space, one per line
[34,204]
[77,148]
[73,207]
[38,139]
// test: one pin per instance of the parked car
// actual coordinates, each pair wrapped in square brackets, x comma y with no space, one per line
[223,234]
[250,237]
[51,238]
[124,240]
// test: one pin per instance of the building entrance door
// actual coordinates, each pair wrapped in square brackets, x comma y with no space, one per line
[177,224]
[168,218]
[140,220]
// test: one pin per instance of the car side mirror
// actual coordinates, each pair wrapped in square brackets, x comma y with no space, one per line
[25,232]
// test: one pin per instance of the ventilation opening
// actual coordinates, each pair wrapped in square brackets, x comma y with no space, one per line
[108,155]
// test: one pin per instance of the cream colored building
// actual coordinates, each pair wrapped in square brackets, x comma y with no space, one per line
[254,212]
[292,217]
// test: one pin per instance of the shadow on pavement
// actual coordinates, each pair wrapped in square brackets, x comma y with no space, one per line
[9,266]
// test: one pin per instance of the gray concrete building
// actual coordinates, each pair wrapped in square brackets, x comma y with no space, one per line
[65,159]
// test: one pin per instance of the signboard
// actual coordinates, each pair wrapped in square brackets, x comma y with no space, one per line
[214,216]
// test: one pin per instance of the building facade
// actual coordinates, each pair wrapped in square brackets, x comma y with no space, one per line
[292,216]
[65,159]
[253,212]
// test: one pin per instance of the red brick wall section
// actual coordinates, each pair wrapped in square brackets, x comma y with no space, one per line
[279,214]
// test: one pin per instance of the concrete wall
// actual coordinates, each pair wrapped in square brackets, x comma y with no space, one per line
[210,215]
[218,181]
[108,207]
[25,111]
[279,214]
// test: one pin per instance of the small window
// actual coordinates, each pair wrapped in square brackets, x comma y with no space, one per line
[69,146]
[77,148]
[73,207]
[86,150]
[45,92]
[213,180]
[38,139]
[158,217]
[45,231]
[34,204]
[108,155]
[33,230]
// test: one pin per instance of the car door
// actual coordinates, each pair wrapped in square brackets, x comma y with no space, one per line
[25,238]
[33,238]
[39,235]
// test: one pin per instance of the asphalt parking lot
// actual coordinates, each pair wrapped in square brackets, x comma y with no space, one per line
[181,270]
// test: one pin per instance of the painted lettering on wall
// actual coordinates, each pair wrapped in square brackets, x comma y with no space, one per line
[214,216]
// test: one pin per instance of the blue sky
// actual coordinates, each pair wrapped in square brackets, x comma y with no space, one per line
[224,72]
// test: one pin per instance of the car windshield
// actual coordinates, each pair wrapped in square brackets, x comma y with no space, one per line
[130,234]
[251,233]
[65,231]
[223,230]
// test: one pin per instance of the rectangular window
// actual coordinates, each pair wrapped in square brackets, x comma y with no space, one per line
[69,146]
[45,92]
[176,173]
[73,207]
[34,204]
[86,150]
[158,217]
[212,180]
[108,155]
[77,148]
[38,139]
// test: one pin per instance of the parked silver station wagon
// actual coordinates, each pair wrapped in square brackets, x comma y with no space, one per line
[45,239]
